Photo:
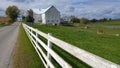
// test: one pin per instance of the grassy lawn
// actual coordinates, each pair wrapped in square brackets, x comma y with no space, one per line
[116,22]
[94,27]
[104,45]
[3,24]
[25,54]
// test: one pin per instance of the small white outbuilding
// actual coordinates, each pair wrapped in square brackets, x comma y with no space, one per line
[49,15]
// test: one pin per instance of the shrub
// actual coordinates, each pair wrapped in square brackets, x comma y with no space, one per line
[84,20]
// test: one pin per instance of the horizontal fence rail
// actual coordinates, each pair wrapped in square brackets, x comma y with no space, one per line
[89,58]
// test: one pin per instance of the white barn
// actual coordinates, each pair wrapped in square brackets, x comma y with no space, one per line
[49,15]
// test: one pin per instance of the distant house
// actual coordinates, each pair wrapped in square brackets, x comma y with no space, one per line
[66,20]
[4,19]
[49,15]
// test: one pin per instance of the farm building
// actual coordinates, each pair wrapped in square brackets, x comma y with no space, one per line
[4,19]
[49,15]
[66,19]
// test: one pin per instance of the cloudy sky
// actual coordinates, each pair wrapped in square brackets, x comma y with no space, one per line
[80,8]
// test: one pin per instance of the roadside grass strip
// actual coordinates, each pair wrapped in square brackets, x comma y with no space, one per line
[25,54]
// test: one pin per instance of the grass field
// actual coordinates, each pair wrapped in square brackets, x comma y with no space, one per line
[5,24]
[94,27]
[25,54]
[106,45]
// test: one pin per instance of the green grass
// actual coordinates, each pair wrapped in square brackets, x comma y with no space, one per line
[104,45]
[74,62]
[115,22]
[25,54]
[5,24]
[100,24]
[94,27]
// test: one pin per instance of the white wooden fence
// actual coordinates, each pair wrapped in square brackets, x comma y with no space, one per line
[88,58]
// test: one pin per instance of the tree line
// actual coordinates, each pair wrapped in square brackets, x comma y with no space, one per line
[85,20]
[13,12]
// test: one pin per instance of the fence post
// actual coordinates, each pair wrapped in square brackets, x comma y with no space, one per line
[36,37]
[49,46]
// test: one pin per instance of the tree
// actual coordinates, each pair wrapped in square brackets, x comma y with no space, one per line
[84,20]
[30,12]
[29,17]
[93,20]
[23,18]
[103,20]
[110,19]
[75,20]
[12,12]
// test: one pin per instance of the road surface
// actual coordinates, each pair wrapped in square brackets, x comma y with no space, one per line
[8,36]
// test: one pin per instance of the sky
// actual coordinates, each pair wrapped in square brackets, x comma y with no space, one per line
[79,8]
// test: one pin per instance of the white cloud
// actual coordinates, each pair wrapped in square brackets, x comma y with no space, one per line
[79,8]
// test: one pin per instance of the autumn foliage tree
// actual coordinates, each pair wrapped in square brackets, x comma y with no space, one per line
[12,12]
[83,20]
[75,20]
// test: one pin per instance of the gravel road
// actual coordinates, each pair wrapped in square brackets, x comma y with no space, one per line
[8,36]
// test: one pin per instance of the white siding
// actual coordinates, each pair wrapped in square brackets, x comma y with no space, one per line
[51,16]
[43,19]
[37,18]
